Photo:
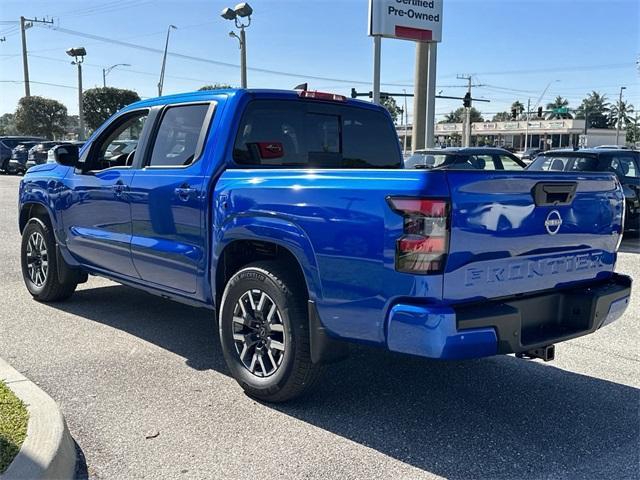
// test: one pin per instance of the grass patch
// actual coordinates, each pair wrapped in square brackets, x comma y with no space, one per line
[13,426]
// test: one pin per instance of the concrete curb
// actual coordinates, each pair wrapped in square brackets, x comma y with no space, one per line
[48,451]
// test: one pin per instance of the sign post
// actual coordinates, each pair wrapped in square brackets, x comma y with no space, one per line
[419,21]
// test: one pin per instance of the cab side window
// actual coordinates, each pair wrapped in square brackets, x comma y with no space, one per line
[116,146]
[177,139]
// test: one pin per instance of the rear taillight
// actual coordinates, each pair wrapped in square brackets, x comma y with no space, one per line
[424,244]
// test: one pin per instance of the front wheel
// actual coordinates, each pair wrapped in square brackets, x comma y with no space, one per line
[39,264]
[264,332]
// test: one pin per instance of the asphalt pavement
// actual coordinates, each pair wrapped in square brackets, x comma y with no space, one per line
[125,365]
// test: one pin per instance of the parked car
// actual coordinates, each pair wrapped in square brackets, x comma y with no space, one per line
[7,144]
[291,216]
[612,147]
[19,157]
[528,154]
[38,153]
[624,163]
[479,158]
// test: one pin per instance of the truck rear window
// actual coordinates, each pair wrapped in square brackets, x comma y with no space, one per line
[308,134]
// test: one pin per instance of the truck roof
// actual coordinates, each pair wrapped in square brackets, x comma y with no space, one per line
[207,95]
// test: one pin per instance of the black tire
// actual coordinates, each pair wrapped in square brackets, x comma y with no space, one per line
[296,374]
[49,289]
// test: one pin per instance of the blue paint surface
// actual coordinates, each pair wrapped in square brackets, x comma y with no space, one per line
[339,227]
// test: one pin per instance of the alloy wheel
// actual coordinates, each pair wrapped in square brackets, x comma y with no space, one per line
[258,333]
[37,259]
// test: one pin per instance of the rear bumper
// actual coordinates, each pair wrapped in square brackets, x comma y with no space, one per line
[511,325]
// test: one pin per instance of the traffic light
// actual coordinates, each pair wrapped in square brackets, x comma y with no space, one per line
[467,100]
[354,94]
[514,113]
[539,112]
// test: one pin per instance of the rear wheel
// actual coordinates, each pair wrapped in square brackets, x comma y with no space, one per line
[264,332]
[39,264]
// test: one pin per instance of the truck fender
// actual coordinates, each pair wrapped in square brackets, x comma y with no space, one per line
[275,230]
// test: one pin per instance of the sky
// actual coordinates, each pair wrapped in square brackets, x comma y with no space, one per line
[513,49]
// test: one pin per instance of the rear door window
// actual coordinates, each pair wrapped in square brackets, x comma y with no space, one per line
[304,134]
[623,165]
[508,163]
[177,139]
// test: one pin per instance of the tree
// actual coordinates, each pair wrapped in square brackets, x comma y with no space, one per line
[8,124]
[392,107]
[559,102]
[501,117]
[40,116]
[620,112]
[215,86]
[518,106]
[597,108]
[98,104]
[457,116]
[633,131]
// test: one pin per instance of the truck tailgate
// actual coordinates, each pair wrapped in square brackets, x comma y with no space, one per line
[521,232]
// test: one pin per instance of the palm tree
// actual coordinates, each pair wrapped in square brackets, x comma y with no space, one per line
[620,112]
[518,106]
[597,107]
[559,102]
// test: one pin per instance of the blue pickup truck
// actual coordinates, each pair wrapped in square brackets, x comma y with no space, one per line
[289,214]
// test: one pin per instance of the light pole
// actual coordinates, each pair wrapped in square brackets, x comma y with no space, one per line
[164,60]
[619,119]
[105,72]
[78,53]
[241,10]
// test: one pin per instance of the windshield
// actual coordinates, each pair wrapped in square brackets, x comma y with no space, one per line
[425,160]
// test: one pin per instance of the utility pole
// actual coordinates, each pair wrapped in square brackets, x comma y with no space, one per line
[619,119]
[406,121]
[25,64]
[466,128]
[26,23]
[526,128]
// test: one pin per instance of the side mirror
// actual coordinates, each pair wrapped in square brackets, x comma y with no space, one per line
[66,155]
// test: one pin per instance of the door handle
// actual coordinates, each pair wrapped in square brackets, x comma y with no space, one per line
[184,192]
[118,189]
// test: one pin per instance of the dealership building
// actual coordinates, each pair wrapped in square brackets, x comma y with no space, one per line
[542,134]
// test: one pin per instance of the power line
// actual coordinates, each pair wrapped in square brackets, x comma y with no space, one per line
[217,62]
[39,83]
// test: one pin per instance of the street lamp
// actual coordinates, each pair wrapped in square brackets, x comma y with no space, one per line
[164,60]
[78,54]
[241,10]
[105,72]
[619,119]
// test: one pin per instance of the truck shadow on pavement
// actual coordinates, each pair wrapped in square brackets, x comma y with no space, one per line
[493,418]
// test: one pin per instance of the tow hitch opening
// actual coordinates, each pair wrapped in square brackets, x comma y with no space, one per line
[547,353]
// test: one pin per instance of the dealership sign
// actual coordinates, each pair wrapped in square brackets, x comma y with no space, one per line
[418,20]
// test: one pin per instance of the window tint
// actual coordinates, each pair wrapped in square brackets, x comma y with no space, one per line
[472,162]
[624,166]
[314,134]
[117,144]
[177,138]
[509,163]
